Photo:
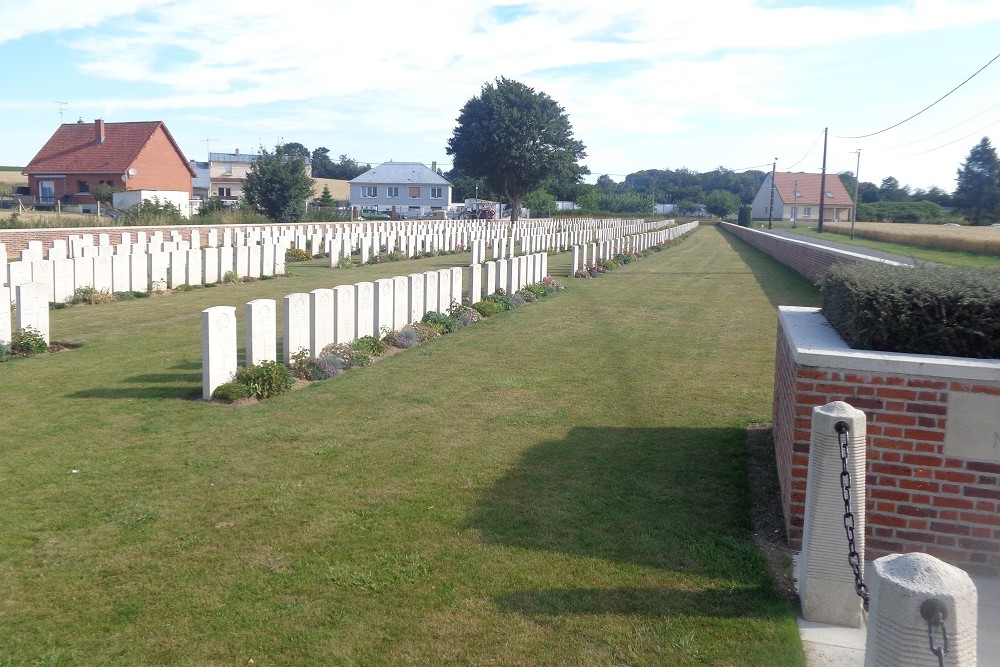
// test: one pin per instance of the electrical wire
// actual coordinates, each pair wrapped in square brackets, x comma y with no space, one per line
[931,150]
[872,134]
[807,152]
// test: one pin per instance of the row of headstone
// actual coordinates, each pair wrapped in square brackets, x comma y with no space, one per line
[588,254]
[324,316]
[145,272]
[32,310]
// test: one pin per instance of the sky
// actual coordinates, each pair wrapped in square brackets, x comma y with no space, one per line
[646,84]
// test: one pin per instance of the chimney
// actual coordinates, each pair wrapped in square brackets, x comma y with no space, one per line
[237,152]
[99,131]
[434,166]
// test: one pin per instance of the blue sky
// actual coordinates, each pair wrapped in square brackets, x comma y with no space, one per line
[647,85]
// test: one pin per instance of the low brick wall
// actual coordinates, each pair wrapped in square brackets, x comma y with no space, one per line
[808,259]
[929,490]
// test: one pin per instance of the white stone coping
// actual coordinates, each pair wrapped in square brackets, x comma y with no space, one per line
[825,248]
[814,342]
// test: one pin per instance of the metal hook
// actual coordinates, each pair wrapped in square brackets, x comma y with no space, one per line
[935,613]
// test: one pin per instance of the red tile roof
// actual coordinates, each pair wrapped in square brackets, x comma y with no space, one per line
[74,148]
[785,185]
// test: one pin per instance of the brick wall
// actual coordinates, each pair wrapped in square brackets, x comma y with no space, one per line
[808,259]
[919,498]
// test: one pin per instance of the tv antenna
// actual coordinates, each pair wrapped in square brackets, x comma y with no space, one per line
[208,146]
[62,107]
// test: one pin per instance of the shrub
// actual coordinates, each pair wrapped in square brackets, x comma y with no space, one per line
[343,356]
[91,295]
[921,310]
[537,289]
[231,277]
[425,332]
[405,338]
[397,256]
[465,315]
[504,299]
[297,255]
[265,379]
[441,322]
[314,368]
[231,391]
[345,263]
[26,342]
[526,295]
[488,308]
[551,285]
[370,345]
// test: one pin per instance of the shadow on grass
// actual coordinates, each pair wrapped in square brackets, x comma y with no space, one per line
[155,392]
[673,499]
[782,285]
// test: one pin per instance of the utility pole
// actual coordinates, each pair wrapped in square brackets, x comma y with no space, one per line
[822,185]
[857,186]
[770,209]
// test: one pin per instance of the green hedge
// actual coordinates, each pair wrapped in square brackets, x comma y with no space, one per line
[924,310]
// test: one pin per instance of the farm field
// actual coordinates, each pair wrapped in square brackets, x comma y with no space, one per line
[981,240]
[560,484]
[917,252]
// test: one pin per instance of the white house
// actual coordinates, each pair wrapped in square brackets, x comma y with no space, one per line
[797,197]
[409,189]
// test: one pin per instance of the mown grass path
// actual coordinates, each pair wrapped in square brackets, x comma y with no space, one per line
[559,485]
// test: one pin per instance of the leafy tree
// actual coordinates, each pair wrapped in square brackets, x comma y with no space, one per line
[322,165]
[721,203]
[606,184]
[105,193]
[540,203]
[978,191]
[277,185]
[868,192]
[326,199]
[345,168]
[891,191]
[296,150]
[515,139]
[745,215]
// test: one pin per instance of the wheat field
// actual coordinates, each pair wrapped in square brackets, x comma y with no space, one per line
[983,240]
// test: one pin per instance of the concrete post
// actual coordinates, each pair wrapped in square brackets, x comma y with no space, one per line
[897,629]
[826,580]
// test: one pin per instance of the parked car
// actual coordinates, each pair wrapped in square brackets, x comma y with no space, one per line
[373,214]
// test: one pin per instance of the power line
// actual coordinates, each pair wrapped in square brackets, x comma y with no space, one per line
[807,152]
[872,134]
[931,150]
[931,136]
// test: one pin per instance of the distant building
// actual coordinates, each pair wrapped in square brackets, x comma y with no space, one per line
[227,174]
[80,156]
[797,197]
[408,189]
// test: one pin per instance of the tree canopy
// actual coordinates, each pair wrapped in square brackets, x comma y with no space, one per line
[515,139]
[978,190]
[278,185]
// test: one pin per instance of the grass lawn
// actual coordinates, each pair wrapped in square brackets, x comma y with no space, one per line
[563,484]
[935,255]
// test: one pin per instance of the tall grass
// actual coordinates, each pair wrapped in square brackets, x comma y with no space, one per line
[980,240]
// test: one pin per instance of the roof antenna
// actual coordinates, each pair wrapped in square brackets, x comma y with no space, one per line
[62,107]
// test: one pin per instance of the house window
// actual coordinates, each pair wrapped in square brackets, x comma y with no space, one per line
[369,191]
[414,192]
[391,192]
[829,194]
[437,193]
[807,211]
[225,192]
[798,193]
[82,186]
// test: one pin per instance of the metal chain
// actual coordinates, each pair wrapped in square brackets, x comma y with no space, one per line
[853,558]
[935,612]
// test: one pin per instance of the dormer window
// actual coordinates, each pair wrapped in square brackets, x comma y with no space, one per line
[829,194]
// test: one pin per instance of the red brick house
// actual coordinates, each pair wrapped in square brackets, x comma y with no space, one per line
[80,156]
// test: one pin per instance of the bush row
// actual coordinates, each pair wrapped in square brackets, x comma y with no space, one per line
[623,258]
[269,378]
[921,310]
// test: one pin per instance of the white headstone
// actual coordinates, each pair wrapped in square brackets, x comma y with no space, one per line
[210,264]
[177,275]
[218,347]
[416,287]
[490,278]
[384,305]
[296,327]
[139,272]
[63,275]
[159,268]
[267,252]
[242,266]
[343,314]
[320,319]
[41,272]
[431,294]
[226,253]
[102,273]
[401,302]
[475,283]
[444,290]
[254,260]
[195,273]
[261,331]
[364,309]
[121,273]
[33,307]
[5,328]
[456,283]
[83,272]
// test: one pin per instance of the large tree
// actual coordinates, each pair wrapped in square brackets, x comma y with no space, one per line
[978,190]
[278,185]
[515,139]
